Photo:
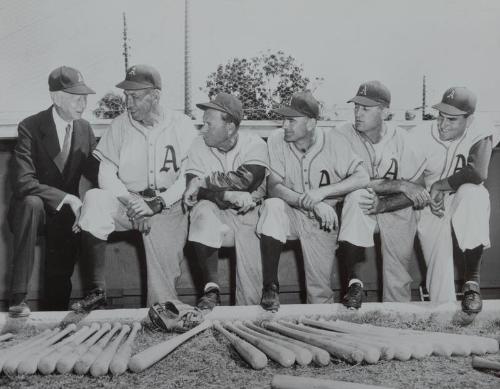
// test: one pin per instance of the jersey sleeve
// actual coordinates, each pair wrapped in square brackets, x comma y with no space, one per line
[345,159]
[195,164]
[276,154]
[255,152]
[110,145]
[412,159]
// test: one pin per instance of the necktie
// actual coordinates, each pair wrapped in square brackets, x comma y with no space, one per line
[62,157]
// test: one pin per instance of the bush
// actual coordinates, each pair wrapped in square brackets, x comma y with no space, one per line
[110,106]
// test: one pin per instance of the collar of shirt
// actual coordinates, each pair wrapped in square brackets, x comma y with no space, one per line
[61,127]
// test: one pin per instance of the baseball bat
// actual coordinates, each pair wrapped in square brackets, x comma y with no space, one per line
[293,382]
[48,362]
[29,364]
[321,357]
[348,354]
[371,354]
[83,364]
[65,365]
[10,365]
[483,363]
[6,336]
[250,354]
[100,366]
[10,352]
[285,357]
[150,356]
[303,356]
[120,361]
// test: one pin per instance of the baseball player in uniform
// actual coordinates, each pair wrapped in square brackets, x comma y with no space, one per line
[457,150]
[226,179]
[392,165]
[309,167]
[141,179]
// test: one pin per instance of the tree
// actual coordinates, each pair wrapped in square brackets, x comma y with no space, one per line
[261,82]
[109,106]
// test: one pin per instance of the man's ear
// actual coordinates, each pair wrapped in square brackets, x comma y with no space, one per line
[469,121]
[311,124]
[231,129]
[385,112]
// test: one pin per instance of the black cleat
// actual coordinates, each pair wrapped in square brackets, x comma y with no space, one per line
[270,300]
[210,299]
[472,302]
[96,298]
[354,296]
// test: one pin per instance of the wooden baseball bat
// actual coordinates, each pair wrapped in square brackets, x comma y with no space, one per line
[303,356]
[65,365]
[348,354]
[293,382]
[9,353]
[83,364]
[120,361]
[10,365]
[6,336]
[321,357]
[150,356]
[100,366]
[29,364]
[483,363]
[48,362]
[285,357]
[371,354]
[250,354]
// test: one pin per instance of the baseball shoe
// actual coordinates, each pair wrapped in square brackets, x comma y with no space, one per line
[270,300]
[472,302]
[96,298]
[210,299]
[19,310]
[354,296]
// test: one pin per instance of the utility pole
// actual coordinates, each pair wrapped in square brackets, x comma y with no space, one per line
[126,46]
[423,99]
[187,62]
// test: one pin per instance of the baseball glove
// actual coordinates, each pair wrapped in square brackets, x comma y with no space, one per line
[174,316]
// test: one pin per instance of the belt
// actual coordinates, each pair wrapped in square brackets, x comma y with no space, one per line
[151,192]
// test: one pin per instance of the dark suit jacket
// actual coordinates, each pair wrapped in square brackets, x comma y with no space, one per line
[34,170]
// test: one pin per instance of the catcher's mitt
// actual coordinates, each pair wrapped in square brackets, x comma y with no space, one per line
[174,316]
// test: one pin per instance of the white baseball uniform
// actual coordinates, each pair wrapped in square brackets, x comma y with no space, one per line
[135,158]
[214,227]
[328,161]
[391,158]
[467,209]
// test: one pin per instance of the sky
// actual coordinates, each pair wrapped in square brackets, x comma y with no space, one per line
[452,42]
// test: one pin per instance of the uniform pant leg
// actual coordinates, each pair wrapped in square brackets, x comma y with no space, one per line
[164,246]
[435,238]
[356,227]
[397,232]
[26,218]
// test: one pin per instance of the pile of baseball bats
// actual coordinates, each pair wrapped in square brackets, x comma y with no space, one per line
[96,349]
[317,341]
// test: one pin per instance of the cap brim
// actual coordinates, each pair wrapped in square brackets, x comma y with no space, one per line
[132,85]
[449,109]
[365,101]
[81,89]
[205,106]
[288,112]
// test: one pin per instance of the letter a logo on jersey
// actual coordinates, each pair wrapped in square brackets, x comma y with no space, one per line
[325,179]
[460,163]
[169,160]
[392,172]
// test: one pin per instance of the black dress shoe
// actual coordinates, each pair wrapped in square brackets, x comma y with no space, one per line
[472,302]
[210,299]
[96,298]
[270,300]
[354,296]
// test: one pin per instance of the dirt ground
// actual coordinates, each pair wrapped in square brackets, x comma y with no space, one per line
[208,361]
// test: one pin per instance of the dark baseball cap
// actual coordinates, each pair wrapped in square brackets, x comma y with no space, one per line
[457,100]
[141,77]
[225,102]
[68,80]
[371,94]
[302,104]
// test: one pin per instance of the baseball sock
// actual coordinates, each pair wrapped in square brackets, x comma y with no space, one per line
[208,260]
[473,263]
[94,260]
[354,257]
[271,250]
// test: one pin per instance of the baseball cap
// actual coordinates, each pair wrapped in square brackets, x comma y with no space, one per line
[372,93]
[68,80]
[457,100]
[141,77]
[225,102]
[302,104]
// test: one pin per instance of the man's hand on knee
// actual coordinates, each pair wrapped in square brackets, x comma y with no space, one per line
[141,224]
[243,201]
[137,208]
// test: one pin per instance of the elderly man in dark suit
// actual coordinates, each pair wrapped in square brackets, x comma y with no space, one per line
[53,150]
